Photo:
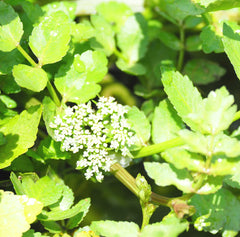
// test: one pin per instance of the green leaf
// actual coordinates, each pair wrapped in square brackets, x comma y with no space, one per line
[115,229]
[55,215]
[32,208]
[17,184]
[166,174]
[2,139]
[216,113]
[44,190]
[135,69]
[170,40]
[104,35]
[219,144]
[203,71]
[11,28]
[140,123]
[49,39]
[115,13]
[182,158]
[12,215]
[165,123]
[216,212]
[50,149]
[231,42]
[8,84]
[193,43]
[23,164]
[185,98]
[77,80]
[20,133]
[132,38]
[69,8]
[216,5]
[9,103]
[82,31]
[179,10]
[49,112]
[52,226]
[211,41]
[169,226]
[8,60]
[32,78]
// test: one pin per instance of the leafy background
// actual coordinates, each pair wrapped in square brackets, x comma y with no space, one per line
[132,49]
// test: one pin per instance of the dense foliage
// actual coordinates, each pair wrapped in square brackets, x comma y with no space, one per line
[87,100]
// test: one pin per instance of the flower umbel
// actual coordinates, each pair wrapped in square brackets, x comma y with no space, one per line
[103,136]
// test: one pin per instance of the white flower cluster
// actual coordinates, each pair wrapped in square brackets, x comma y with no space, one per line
[104,135]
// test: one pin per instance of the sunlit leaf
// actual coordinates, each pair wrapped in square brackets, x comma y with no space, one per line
[20,133]
[11,28]
[49,39]
[32,78]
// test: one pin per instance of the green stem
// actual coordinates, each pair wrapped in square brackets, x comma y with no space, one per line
[124,177]
[120,55]
[157,148]
[50,88]
[182,50]
[53,94]
[25,54]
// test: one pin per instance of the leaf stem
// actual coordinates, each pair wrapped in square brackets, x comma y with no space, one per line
[26,55]
[120,55]
[157,148]
[53,94]
[182,50]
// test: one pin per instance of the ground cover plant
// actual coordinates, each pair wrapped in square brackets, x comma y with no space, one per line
[119,123]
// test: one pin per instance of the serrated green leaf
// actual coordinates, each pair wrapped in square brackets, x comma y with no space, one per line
[44,190]
[231,42]
[2,139]
[50,149]
[216,5]
[211,41]
[203,71]
[69,8]
[12,215]
[185,98]
[139,123]
[115,13]
[104,35]
[32,78]
[77,80]
[20,133]
[217,112]
[216,212]
[11,28]
[33,11]
[166,123]
[8,84]
[49,39]
[214,145]
[8,60]
[179,10]
[55,215]
[115,229]
[166,174]
[169,226]
[132,38]
[182,158]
